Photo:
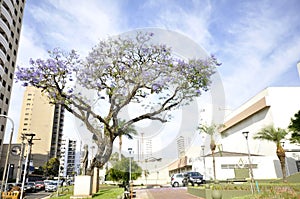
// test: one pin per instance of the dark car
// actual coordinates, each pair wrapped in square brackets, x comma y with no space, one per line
[193,178]
[29,187]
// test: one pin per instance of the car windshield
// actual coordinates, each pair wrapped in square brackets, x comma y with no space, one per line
[195,174]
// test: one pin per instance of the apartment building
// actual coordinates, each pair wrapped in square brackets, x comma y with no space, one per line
[69,159]
[11,17]
[45,121]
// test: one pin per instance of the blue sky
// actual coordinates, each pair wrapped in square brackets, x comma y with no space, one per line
[256,41]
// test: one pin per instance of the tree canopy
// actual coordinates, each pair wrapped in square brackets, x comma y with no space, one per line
[295,128]
[276,135]
[120,171]
[51,167]
[121,71]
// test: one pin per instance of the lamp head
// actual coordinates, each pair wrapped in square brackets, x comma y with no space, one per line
[245,133]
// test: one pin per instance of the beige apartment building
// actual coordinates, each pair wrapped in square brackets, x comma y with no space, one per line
[45,121]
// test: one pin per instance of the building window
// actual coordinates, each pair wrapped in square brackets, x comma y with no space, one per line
[1,96]
[2,127]
[6,101]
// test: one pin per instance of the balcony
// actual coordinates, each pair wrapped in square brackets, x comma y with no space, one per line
[10,5]
[4,28]
[6,15]
[2,56]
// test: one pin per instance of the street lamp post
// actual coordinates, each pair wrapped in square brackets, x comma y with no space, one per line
[7,154]
[130,151]
[245,133]
[204,167]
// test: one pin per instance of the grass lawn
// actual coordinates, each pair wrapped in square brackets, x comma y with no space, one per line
[106,192]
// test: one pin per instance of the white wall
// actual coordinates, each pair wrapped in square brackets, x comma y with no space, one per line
[265,167]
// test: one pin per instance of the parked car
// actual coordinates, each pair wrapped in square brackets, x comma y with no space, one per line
[177,180]
[193,178]
[29,187]
[39,185]
[51,186]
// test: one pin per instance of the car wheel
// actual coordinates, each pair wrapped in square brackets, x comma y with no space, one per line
[176,184]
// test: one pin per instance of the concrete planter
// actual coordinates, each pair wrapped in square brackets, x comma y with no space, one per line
[208,193]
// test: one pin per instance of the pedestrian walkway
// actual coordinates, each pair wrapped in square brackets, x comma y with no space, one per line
[142,194]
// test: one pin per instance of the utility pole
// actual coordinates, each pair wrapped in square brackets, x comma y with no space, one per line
[30,135]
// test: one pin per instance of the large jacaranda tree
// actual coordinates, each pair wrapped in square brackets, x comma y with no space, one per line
[122,71]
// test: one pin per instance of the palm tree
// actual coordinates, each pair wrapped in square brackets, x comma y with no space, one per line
[128,131]
[275,135]
[211,131]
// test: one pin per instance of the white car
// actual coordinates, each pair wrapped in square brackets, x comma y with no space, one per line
[51,186]
[177,180]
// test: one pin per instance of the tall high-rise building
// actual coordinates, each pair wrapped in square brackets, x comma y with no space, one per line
[68,159]
[181,146]
[11,17]
[45,121]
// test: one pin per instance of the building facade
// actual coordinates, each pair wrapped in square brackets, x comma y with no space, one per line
[272,106]
[11,17]
[45,121]
[68,159]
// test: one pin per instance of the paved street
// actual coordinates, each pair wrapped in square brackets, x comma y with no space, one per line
[40,194]
[166,193]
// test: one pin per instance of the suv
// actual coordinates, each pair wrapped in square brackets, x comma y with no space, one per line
[193,178]
[177,180]
[51,186]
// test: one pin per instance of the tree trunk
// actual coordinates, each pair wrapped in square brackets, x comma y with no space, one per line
[213,148]
[281,156]
[214,164]
[105,146]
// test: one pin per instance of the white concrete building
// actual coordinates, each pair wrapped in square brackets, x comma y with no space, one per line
[272,106]
[68,159]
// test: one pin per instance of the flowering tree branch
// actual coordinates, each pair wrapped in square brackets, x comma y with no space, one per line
[121,71]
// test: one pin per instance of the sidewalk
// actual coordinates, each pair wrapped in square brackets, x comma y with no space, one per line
[142,194]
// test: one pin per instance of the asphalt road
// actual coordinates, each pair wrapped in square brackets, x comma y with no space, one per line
[165,193]
[37,195]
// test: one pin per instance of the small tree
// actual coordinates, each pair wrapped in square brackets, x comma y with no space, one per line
[275,135]
[212,131]
[120,171]
[294,127]
[51,167]
[121,71]
[128,132]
